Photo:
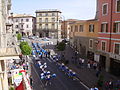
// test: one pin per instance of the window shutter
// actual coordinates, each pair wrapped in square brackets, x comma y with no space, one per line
[101,27]
[93,28]
[114,28]
[107,27]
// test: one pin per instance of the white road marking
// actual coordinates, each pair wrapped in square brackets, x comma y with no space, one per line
[48,59]
[84,85]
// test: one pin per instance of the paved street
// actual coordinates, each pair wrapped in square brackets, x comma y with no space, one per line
[61,82]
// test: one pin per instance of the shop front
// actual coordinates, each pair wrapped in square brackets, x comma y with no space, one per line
[115,66]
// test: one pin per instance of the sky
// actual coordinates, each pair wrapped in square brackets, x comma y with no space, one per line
[71,9]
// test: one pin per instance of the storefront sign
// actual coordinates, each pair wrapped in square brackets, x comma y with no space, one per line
[96,57]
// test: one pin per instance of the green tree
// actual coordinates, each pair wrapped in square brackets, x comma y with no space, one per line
[61,46]
[22,44]
[26,50]
[19,36]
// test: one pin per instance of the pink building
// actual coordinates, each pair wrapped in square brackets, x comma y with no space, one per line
[108,14]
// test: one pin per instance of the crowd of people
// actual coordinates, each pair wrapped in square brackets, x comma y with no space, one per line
[67,71]
[45,75]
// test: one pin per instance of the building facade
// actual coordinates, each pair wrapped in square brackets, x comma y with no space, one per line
[109,35]
[83,37]
[24,24]
[48,23]
[8,47]
[65,28]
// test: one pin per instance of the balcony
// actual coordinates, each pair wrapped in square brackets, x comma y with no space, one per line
[9,53]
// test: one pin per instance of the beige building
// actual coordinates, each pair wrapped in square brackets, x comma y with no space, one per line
[8,47]
[48,23]
[23,23]
[83,37]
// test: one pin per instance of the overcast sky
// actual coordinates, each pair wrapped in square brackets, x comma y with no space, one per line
[71,9]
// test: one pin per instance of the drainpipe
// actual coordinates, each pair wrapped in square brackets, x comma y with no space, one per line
[110,26]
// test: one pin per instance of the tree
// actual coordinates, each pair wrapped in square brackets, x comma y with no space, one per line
[22,44]
[26,50]
[19,36]
[61,46]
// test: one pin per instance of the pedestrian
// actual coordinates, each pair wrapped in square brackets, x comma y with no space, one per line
[88,65]
[83,62]
[97,73]
[31,81]
[110,85]
[94,65]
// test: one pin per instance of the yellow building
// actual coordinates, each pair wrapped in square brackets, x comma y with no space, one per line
[83,37]
[48,23]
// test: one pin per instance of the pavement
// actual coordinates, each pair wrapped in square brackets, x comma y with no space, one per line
[86,75]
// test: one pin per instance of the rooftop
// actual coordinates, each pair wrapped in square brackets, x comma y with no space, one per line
[48,10]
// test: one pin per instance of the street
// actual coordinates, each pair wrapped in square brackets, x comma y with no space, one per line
[60,82]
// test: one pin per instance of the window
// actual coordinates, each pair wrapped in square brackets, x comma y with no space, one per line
[21,20]
[91,28]
[46,20]
[27,20]
[27,26]
[53,19]
[53,26]
[116,28]
[71,28]
[103,46]
[118,5]
[76,28]
[81,28]
[40,25]
[16,26]
[40,14]
[40,19]
[91,43]
[104,27]
[46,14]
[117,48]
[104,9]
[53,14]
[16,20]
[46,26]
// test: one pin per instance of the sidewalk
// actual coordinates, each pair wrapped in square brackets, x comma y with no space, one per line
[86,75]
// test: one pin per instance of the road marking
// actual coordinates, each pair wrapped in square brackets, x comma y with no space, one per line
[48,59]
[84,85]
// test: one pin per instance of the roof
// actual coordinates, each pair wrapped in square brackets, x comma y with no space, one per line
[22,15]
[48,10]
